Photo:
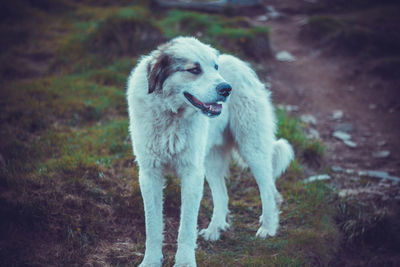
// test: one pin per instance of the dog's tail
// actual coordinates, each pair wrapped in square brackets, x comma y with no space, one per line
[282,156]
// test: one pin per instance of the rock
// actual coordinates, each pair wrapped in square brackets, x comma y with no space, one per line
[336,169]
[381,154]
[381,143]
[309,119]
[285,56]
[345,127]
[319,177]
[348,192]
[313,134]
[341,135]
[350,143]
[372,106]
[272,13]
[345,137]
[379,174]
[262,18]
[337,115]
[349,171]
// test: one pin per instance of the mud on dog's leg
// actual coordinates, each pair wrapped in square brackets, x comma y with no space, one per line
[216,167]
[192,183]
[151,186]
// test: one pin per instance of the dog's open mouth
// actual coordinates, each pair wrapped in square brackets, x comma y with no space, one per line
[210,109]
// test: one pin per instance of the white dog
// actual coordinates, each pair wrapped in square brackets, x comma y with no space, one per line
[189,109]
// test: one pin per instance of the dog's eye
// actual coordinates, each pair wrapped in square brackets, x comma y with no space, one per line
[195,70]
[216,66]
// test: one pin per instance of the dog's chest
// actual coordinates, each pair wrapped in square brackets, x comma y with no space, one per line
[175,136]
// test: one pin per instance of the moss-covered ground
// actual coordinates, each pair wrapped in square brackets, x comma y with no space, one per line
[69,193]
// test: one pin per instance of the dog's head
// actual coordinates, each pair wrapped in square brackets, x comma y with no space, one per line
[187,70]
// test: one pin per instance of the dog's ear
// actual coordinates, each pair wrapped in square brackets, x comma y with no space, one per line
[159,72]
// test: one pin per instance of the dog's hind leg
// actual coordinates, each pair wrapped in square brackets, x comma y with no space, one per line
[252,125]
[217,165]
[260,162]
[151,185]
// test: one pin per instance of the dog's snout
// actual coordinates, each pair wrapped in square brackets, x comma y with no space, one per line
[224,89]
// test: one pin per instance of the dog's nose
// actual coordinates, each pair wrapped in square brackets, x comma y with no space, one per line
[224,89]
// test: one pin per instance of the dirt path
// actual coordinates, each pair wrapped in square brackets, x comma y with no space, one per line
[319,84]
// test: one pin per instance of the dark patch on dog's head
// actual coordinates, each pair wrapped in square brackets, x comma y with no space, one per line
[159,72]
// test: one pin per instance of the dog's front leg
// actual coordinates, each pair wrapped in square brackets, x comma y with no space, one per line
[192,182]
[151,185]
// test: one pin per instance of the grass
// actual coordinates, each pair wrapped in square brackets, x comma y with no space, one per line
[69,193]
[368,30]
[227,34]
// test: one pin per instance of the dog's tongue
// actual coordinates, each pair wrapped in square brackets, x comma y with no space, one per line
[214,107]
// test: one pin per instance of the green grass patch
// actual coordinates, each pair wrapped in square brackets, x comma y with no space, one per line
[227,34]
[290,128]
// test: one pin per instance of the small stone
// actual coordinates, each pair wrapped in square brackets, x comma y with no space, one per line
[381,143]
[272,13]
[341,135]
[345,127]
[313,134]
[309,119]
[319,177]
[347,192]
[337,169]
[350,171]
[337,115]
[262,18]
[350,143]
[379,174]
[372,106]
[271,9]
[381,154]
[285,56]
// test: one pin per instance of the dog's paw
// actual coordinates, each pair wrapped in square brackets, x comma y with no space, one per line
[185,265]
[264,232]
[185,258]
[147,264]
[212,232]
[268,227]
[151,260]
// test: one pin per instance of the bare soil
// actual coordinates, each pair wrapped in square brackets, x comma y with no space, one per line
[319,83]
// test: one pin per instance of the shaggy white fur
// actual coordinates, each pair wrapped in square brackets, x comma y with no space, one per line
[183,120]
